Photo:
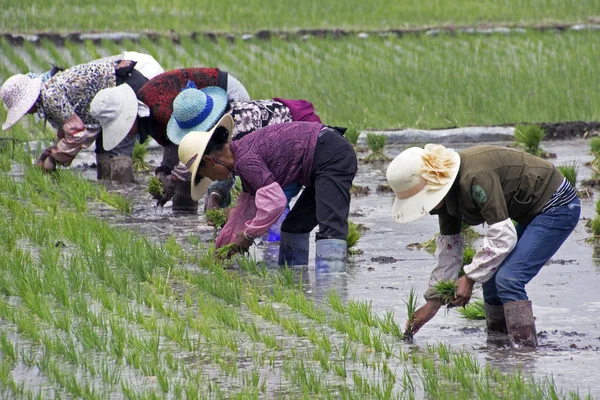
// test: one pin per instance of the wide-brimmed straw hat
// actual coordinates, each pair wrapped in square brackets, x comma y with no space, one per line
[116,109]
[195,110]
[191,150]
[19,93]
[421,178]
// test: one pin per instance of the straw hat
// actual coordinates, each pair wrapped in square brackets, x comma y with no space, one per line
[195,110]
[19,93]
[191,150]
[421,178]
[116,109]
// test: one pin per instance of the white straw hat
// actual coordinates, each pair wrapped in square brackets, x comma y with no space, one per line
[116,109]
[19,93]
[191,150]
[421,178]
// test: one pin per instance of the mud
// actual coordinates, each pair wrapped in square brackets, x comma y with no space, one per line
[564,294]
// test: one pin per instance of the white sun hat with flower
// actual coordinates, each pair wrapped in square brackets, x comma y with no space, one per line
[421,178]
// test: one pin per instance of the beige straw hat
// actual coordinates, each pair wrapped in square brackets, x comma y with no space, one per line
[191,150]
[421,178]
[19,93]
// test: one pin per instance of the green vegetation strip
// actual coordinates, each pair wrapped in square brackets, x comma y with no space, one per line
[252,15]
[97,312]
[386,82]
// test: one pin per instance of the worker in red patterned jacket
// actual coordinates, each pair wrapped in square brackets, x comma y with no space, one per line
[124,113]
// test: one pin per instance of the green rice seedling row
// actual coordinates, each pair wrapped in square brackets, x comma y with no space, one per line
[238,16]
[432,82]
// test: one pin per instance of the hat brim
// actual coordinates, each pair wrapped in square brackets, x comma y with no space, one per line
[200,189]
[219,96]
[118,129]
[22,107]
[414,207]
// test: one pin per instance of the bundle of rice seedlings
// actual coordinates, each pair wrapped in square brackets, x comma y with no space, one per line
[155,187]
[445,290]
[529,138]
[223,251]
[376,144]
[216,217]
[570,171]
[353,236]
[139,153]
[474,310]
[468,233]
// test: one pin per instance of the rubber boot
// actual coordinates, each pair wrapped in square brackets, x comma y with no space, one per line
[331,255]
[495,319]
[293,248]
[103,166]
[121,169]
[182,199]
[520,323]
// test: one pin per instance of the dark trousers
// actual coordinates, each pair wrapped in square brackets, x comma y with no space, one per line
[327,201]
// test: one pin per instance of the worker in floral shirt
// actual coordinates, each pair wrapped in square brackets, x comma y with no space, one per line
[64,101]
[495,186]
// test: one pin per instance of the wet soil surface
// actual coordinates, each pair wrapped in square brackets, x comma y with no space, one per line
[564,294]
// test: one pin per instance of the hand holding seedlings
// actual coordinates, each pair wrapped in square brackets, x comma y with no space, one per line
[423,315]
[464,288]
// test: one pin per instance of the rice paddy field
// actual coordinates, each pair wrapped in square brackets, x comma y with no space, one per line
[252,15]
[104,297]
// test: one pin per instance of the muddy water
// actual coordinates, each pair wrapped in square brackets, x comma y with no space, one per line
[564,294]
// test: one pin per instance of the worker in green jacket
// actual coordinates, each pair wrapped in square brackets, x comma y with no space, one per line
[529,210]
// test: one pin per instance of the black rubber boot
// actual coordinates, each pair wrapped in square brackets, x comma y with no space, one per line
[520,323]
[182,199]
[495,319]
[293,248]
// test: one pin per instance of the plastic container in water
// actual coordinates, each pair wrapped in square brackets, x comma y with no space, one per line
[274,234]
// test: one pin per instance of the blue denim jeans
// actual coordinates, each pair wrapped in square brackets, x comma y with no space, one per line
[537,242]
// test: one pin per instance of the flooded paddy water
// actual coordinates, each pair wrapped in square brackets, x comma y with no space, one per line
[564,294]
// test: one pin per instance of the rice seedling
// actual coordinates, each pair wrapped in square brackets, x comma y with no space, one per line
[595,226]
[216,217]
[362,311]
[595,149]
[389,326]
[376,144]
[353,237]
[140,150]
[352,135]
[155,187]
[335,301]
[445,290]
[8,349]
[411,307]
[529,137]
[468,254]
[570,171]
[474,310]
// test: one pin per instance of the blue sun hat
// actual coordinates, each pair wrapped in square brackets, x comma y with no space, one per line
[195,110]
